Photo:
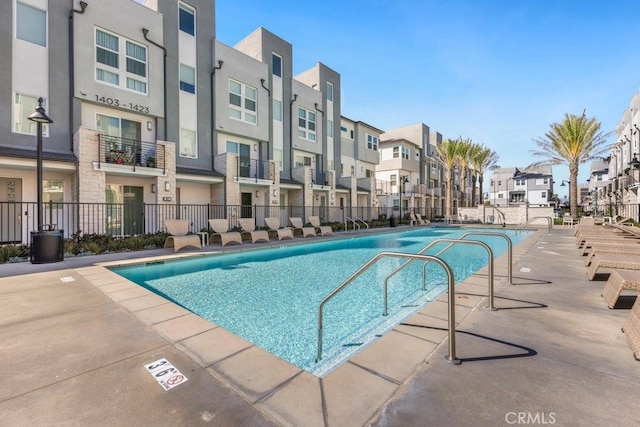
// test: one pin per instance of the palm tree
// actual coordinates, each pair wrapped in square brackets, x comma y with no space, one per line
[483,159]
[448,156]
[464,154]
[575,140]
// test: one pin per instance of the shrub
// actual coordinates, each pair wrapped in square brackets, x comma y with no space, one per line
[8,253]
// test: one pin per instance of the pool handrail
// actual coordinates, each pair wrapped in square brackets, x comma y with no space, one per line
[355,224]
[451,243]
[362,221]
[451,357]
[509,248]
[548,218]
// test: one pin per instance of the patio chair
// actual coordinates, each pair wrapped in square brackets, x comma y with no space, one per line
[620,280]
[298,226]
[273,224]
[179,238]
[568,220]
[421,220]
[632,250]
[631,329]
[613,262]
[220,229]
[248,226]
[324,230]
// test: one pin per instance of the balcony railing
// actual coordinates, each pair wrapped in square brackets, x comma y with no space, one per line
[255,169]
[130,152]
[319,177]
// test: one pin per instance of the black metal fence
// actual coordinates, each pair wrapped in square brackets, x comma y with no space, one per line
[18,219]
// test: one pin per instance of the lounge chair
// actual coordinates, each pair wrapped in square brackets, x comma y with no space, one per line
[631,329]
[421,220]
[179,238]
[612,261]
[298,226]
[324,230]
[220,229]
[620,280]
[417,219]
[630,251]
[274,227]
[248,226]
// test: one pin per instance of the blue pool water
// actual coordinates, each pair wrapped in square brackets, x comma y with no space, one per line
[270,297]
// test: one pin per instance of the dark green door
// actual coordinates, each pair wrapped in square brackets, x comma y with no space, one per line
[245,160]
[245,209]
[133,210]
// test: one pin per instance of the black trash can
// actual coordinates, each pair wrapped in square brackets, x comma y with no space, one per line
[47,245]
[392,221]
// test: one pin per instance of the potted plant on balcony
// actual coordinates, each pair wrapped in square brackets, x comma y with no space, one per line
[151,162]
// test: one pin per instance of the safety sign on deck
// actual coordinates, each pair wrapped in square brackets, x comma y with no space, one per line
[167,375]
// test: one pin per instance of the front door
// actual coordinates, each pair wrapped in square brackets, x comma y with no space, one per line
[133,210]
[10,210]
[246,208]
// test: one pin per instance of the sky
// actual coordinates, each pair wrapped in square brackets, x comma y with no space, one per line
[499,72]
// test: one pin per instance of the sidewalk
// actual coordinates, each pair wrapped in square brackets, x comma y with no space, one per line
[73,350]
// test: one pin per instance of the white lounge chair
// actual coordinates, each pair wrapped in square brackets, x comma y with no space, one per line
[248,226]
[179,238]
[324,230]
[421,220]
[296,223]
[274,226]
[220,229]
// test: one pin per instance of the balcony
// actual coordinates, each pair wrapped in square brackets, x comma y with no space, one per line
[250,170]
[127,152]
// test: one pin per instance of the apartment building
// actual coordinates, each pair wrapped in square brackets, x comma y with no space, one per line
[597,198]
[515,186]
[153,111]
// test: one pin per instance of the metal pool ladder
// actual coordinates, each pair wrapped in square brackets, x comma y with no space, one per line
[451,357]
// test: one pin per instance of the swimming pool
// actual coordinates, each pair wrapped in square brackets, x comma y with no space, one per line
[270,296]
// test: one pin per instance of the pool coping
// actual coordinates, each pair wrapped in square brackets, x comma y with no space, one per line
[351,394]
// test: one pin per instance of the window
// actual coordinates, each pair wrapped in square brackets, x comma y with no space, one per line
[372,142]
[405,152]
[369,173]
[520,181]
[187,19]
[52,191]
[188,144]
[232,147]
[545,180]
[330,128]
[543,194]
[329,91]
[242,102]
[302,161]
[396,152]
[31,24]
[276,65]
[394,179]
[277,110]
[25,105]
[187,78]
[108,50]
[343,129]
[306,124]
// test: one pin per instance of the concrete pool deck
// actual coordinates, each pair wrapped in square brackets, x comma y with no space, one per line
[75,338]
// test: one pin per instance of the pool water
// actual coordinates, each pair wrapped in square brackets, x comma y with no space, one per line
[270,297]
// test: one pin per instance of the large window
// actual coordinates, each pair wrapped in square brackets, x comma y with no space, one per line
[330,128]
[306,124]
[277,110]
[109,49]
[188,144]
[276,65]
[24,105]
[329,91]
[302,161]
[31,24]
[187,78]
[372,142]
[242,102]
[187,19]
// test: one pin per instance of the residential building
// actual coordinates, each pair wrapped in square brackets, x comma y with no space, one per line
[514,186]
[152,113]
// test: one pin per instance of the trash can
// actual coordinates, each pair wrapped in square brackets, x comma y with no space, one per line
[392,221]
[47,245]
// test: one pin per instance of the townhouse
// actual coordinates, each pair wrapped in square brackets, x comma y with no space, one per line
[532,186]
[155,118]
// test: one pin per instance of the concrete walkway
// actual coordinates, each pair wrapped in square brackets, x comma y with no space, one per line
[74,341]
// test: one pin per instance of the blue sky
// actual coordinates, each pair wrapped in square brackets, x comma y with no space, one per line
[496,71]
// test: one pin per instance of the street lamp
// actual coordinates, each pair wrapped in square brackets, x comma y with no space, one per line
[40,118]
[403,180]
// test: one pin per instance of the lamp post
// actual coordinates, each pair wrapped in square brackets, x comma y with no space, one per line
[40,118]
[403,180]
